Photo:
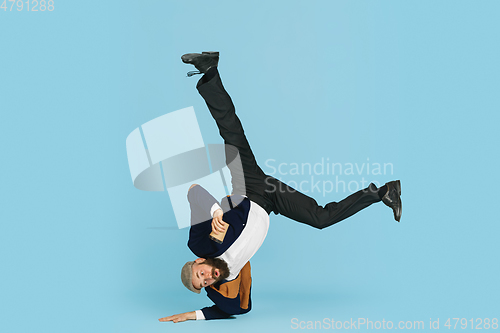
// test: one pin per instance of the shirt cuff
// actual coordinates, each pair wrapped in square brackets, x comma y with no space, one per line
[199,315]
[214,208]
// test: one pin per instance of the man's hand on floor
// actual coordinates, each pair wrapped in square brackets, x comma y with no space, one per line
[217,224]
[180,317]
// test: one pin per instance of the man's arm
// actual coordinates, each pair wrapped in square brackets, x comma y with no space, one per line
[180,317]
[206,202]
[207,313]
[214,312]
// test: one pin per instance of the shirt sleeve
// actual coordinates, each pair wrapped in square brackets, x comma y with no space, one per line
[214,208]
[199,315]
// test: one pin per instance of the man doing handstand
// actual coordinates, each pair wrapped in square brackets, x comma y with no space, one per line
[223,268]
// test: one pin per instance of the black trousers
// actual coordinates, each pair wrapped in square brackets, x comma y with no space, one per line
[270,193]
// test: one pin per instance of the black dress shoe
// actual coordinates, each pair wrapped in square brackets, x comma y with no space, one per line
[392,198]
[202,61]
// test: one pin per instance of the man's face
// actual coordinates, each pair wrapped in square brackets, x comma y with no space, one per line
[204,275]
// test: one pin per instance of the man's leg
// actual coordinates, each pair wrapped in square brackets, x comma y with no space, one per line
[302,208]
[256,185]
[250,180]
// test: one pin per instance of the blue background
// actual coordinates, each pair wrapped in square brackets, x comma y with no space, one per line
[410,83]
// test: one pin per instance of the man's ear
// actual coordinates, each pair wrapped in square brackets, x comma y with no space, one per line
[199,260]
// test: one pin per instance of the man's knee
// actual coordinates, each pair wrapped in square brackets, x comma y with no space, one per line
[192,187]
[320,221]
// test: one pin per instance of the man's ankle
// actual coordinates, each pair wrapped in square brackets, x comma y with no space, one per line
[382,191]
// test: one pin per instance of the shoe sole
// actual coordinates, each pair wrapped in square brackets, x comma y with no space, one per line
[398,186]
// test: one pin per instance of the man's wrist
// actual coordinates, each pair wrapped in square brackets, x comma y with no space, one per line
[214,208]
[199,315]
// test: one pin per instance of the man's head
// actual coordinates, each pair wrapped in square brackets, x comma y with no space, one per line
[203,273]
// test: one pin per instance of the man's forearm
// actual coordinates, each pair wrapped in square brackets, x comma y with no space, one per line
[199,196]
